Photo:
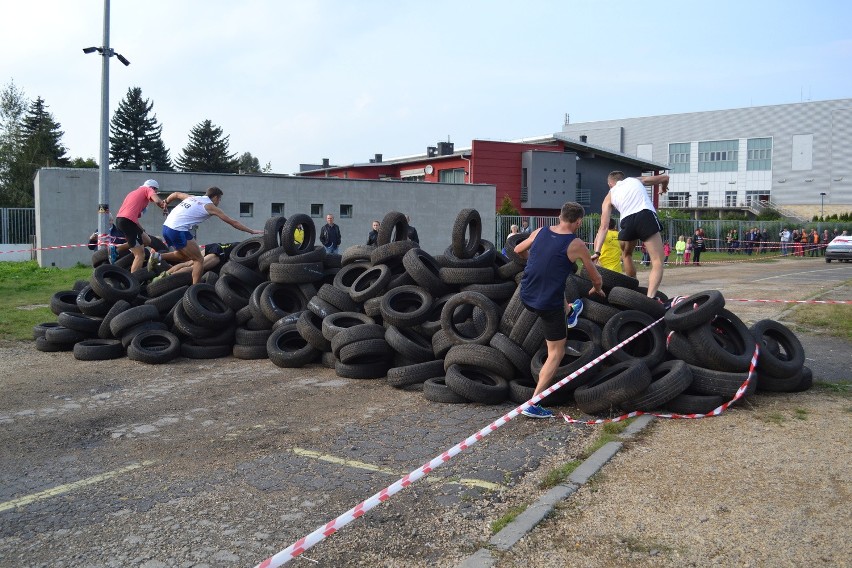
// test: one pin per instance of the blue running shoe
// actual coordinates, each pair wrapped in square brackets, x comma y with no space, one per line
[113,254]
[576,310]
[536,411]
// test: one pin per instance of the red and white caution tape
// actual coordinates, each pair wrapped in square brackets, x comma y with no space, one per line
[789,301]
[674,416]
[45,248]
[333,526]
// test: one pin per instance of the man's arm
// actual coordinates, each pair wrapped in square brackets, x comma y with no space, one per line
[661,179]
[606,214]
[177,195]
[213,210]
[523,247]
[578,250]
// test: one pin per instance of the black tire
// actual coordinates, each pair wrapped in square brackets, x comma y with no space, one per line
[424,269]
[340,299]
[186,327]
[511,243]
[613,386]
[355,333]
[43,344]
[369,368]
[279,300]
[598,312]
[481,356]
[720,383]
[248,276]
[128,335]
[244,336]
[807,380]
[585,330]
[790,357]
[356,351]
[467,276]
[668,380]
[521,390]
[132,316]
[247,252]
[267,257]
[316,255]
[332,324]
[681,348]
[310,327]
[355,254]
[233,292]
[418,373]
[272,232]
[192,350]
[169,283]
[483,257]
[60,334]
[406,306]
[768,383]
[695,310]
[489,309]
[634,300]
[649,347]
[287,348]
[40,329]
[154,347]
[371,283]
[91,304]
[347,275]
[435,389]
[113,283]
[296,273]
[309,238]
[467,233]
[441,344]
[514,353]
[612,279]
[393,228]
[98,349]
[476,384]
[410,344]
[497,292]
[167,301]
[225,336]
[205,307]
[80,322]
[249,352]
[725,343]
[571,362]
[391,253]
[65,301]
[687,403]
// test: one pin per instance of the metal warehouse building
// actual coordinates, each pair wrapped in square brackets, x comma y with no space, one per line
[795,156]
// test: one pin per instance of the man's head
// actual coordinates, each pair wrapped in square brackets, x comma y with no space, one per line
[614,177]
[571,212]
[215,195]
[329,219]
[152,183]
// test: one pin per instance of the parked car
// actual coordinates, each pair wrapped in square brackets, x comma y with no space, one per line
[840,248]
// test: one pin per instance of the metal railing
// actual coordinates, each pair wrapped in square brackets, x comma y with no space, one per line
[17,225]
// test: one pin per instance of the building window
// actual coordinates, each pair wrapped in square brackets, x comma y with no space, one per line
[345,211]
[246,209]
[451,176]
[703,198]
[316,210]
[730,199]
[718,156]
[679,157]
[756,197]
[579,180]
[678,199]
[277,209]
[759,154]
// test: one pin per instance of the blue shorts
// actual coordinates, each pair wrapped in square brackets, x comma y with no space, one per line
[176,239]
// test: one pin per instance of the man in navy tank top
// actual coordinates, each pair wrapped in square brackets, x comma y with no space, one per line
[551,254]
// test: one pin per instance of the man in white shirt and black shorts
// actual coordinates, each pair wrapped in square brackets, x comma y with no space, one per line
[639,222]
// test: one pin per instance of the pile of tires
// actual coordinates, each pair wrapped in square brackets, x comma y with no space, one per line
[451,325]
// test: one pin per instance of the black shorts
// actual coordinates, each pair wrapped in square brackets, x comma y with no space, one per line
[131,230]
[639,226]
[553,322]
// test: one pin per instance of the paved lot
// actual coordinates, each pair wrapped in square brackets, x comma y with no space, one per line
[224,463]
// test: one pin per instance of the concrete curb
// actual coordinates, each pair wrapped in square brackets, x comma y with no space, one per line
[538,511]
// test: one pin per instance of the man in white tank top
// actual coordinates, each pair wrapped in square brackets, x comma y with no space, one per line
[192,210]
[639,222]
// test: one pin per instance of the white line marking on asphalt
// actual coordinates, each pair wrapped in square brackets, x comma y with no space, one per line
[370,467]
[60,489]
[797,273]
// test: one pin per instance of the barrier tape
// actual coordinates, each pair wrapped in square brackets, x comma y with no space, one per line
[333,526]
[44,248]
[789,301]
[674,416]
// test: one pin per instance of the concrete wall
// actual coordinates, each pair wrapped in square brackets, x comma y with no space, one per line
[66,206]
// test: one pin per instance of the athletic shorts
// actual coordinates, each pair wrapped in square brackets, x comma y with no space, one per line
[131,230]
[553,323]
[639,226]
[176,239]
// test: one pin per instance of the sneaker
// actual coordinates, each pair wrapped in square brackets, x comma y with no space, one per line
[113,254]
[576,310]
[536,411]
[154,262]
[160,276]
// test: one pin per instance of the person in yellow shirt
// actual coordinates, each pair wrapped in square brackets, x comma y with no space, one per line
[610,250]
[680,248]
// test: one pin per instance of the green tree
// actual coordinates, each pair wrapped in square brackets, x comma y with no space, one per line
[135,140]
[38,145]
[507,207]
[84,163]
[207,151]
[249,164]
[13,106]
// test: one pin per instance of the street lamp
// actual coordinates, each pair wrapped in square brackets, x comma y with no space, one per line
[821,208]
[103,180]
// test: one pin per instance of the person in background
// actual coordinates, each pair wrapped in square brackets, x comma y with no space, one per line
[667,250]
[412,232]
[610,257]
[784,235]
[525,227]
[680,247]
[299,234]
[330,236]
[823,241]
[513,230]
[687,251]
[373,236]
[697,247]
[127,221]
[551,254]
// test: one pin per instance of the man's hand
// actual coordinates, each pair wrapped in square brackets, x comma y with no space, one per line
[597,290]
[257,231]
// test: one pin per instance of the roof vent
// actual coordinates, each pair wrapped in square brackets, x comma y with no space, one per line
[325,162]
[431,151]
[445,148]
[583,138]
[378,158]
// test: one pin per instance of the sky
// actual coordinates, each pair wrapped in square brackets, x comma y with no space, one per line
[294,82]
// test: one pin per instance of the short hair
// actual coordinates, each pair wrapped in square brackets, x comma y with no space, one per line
[616,176]
[611,224]
[213,192]
[571,212]
[514,227]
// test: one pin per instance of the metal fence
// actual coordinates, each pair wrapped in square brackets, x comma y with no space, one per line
[715,230]
[17,225]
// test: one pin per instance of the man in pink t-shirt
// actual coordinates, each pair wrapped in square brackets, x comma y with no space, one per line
[127,220]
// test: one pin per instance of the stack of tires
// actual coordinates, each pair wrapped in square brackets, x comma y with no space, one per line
[451,325]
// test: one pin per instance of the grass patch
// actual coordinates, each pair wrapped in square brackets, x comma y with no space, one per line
[774,418]
[643,545]
[800,414]
[559,474]
[609,432]
[508,517]
[833,319]
[842,388]
[24,285]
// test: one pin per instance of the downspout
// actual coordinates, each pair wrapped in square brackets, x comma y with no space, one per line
[469,169]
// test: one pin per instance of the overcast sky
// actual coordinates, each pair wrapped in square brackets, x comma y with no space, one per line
[297,81]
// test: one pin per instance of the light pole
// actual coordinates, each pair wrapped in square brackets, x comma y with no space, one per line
[821,207]
[103,170]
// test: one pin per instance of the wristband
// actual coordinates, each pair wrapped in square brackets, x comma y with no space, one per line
[597,252]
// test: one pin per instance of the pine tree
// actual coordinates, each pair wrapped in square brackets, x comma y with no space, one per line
[248,164]
[38,145]
[207,151]
[13,106]
[135,140]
